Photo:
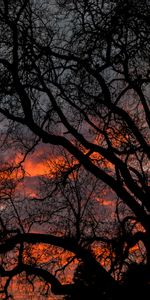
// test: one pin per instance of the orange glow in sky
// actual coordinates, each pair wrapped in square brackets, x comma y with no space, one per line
[35,168]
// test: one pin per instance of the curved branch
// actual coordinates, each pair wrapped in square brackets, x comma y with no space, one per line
[65,243]
[56,287]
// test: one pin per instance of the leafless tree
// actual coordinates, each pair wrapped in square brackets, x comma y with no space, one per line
[76,74]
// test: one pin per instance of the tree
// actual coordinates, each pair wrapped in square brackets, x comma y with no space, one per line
[86,284]
[76,74]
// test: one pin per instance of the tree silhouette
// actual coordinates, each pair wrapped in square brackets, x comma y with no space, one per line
[75,75]
[87,285]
